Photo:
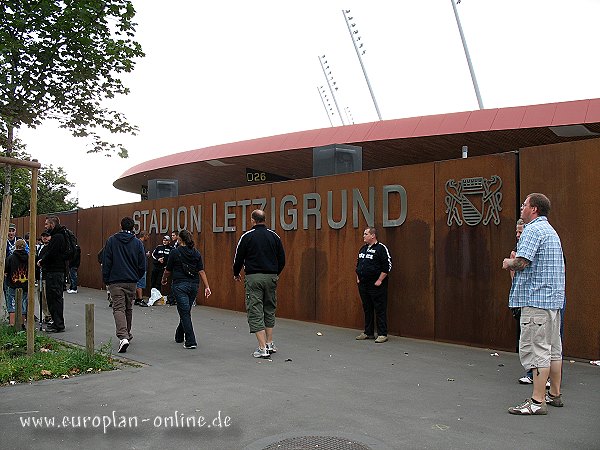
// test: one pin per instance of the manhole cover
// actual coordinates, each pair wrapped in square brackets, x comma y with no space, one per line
[317,442]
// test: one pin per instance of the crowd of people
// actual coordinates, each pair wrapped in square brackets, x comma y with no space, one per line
[536,266]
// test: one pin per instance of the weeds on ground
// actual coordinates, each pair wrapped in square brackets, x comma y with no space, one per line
[51,358]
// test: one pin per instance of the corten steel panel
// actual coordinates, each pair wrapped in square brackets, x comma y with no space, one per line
[219,248]
[296,290]
[411,297]
[90,240]
[568,175]
[337,299]
[69,220]
[471,289]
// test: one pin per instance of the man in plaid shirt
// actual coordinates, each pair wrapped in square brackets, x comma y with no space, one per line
[538,288]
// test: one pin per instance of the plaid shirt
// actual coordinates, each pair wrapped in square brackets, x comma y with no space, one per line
[542,283]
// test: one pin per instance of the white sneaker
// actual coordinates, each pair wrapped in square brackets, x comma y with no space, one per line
[528,408]
[123,344]
[71,291]
[271,348]
[525,380]
[260,353]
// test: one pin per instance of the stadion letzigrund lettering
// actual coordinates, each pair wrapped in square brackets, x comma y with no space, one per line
[287,213]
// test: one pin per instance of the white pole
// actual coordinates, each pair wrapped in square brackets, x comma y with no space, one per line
[362,65]
[464,43]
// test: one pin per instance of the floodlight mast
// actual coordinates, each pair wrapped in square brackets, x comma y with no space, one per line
[464,43]
[323,61]
[359,54]
[324,105]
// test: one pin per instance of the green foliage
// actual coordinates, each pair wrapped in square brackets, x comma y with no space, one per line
[51,358]
[53,189]
[62,60]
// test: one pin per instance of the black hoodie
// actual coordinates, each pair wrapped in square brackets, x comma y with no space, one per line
[16,269]
[123,259]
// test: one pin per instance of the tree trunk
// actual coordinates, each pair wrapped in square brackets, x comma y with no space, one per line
[9,147]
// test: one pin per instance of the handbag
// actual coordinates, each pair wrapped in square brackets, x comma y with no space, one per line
[189,270]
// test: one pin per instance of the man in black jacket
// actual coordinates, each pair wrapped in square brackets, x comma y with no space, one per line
[373,265]
[261,253]
[160,255]
[123,264]
[73,269]
[53,264]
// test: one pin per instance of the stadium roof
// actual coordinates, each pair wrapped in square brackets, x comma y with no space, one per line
[385,143]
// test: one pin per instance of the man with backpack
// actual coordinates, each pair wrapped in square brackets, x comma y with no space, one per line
[52,262]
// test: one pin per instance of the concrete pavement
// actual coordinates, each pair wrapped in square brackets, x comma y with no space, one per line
[401,394]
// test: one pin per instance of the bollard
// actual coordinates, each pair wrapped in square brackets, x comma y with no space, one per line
[18,308]
[89,328]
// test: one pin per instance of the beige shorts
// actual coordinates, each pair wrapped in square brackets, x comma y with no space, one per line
[540,337]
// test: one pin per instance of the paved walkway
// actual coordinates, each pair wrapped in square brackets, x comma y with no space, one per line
[402,394]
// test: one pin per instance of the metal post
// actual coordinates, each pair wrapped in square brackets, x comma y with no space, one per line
[331,90]
[362,65]
[464,43]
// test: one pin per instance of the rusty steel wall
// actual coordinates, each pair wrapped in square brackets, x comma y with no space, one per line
[568,175]
[446,284]
[471,289]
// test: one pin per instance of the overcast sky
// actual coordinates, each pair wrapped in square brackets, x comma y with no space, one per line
[219,72]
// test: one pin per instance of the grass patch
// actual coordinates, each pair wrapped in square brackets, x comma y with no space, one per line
[51,358]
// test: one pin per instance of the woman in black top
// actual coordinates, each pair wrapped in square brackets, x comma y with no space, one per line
[185,263]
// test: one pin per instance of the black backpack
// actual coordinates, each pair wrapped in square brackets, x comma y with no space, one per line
[70,243]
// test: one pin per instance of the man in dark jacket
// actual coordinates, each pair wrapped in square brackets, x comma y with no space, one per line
[53,265]
[373,265]
[261,254]
[160,255]
[73,269]
[123,264]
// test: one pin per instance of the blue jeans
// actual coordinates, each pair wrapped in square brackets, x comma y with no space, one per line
[185,293]
[10,300]
[73,276]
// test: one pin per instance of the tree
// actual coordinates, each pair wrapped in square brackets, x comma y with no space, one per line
[61,60]
[53,189]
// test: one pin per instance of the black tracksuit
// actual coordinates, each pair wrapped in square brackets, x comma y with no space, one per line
[371,261]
